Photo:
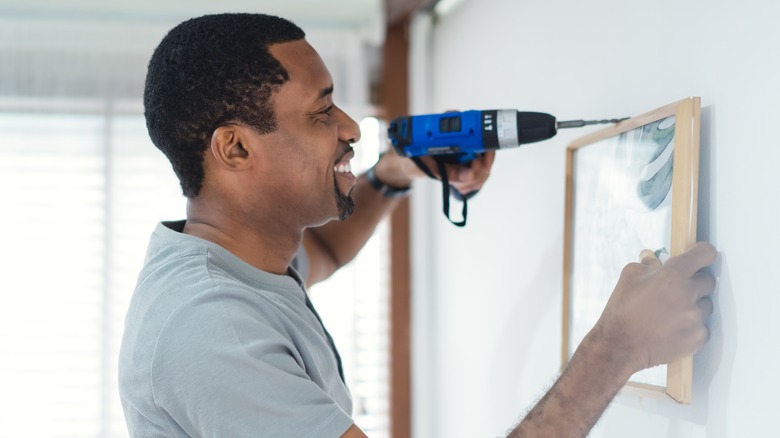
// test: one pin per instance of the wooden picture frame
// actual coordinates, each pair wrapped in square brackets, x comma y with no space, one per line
[630,186]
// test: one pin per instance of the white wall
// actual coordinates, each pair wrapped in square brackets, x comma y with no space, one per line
[488,297]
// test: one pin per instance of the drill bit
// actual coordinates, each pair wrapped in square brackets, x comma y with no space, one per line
[581,123]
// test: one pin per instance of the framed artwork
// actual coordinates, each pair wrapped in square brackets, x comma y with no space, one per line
[629,187]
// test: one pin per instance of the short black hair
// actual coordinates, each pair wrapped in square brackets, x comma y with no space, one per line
[209,71]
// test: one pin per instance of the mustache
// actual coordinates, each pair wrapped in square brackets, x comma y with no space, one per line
[346,151]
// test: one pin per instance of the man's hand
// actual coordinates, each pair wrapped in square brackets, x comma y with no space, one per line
[398,171]
[466,178]
[658,313]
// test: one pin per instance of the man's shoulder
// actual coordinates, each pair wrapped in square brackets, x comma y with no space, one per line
[187,283]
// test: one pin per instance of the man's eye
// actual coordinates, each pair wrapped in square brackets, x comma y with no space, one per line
[328,110]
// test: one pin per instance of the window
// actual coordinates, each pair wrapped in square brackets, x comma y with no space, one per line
[81,192]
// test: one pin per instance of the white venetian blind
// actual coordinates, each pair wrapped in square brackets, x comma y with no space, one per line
[51,180]
[80,193]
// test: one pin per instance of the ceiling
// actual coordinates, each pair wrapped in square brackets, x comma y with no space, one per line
[306,13]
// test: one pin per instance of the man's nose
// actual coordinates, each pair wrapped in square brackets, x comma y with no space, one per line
[349,130]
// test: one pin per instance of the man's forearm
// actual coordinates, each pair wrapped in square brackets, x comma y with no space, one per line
[337,242]
[334,244]
[574,404]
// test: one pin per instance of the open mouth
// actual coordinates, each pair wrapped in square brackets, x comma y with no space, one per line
[343,167]
[343,164]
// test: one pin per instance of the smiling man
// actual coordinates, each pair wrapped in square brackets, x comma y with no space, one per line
[221,339]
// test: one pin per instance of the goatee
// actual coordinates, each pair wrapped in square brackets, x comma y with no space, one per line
[345,204]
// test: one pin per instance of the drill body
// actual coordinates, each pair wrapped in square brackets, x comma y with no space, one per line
[461,136]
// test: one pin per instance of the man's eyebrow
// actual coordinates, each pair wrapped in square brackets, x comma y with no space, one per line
[325,92]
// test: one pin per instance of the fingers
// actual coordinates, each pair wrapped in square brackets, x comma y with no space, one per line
[700,255]
[691,262]
[488,158]
[471,178]
[706,306]
[703,284]
[661,309]
[648,257]
[465,178]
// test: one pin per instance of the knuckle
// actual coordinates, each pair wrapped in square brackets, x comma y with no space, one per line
[701,336]
[632,269]
[672,276]
[708,251]
[695,318]
[707,307]
[709,282]
[674,269]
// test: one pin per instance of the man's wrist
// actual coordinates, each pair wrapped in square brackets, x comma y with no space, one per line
[610,352]
[396,171]
[386,189]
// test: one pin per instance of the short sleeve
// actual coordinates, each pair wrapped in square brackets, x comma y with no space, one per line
[211,382]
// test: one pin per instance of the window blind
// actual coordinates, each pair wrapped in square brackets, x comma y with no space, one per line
[51,177]
[80,196]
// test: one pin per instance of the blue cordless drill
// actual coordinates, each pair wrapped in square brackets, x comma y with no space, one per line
[458,137]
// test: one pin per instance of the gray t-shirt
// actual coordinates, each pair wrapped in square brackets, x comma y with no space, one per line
[214,347]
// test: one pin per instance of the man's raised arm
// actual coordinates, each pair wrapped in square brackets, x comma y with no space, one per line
[334,244]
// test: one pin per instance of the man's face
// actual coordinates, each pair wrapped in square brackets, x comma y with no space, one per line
[310,150]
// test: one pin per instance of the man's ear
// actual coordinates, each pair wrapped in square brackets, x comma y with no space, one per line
[228,147]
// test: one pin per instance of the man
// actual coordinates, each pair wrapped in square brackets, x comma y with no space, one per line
[221,339]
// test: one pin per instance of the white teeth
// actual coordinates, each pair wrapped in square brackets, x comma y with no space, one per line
[343,168]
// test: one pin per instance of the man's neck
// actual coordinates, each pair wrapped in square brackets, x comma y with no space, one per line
[261,244]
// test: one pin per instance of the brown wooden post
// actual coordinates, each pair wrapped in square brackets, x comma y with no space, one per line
[394,102]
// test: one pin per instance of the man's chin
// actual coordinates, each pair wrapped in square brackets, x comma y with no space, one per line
[344,203]
[346,206]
